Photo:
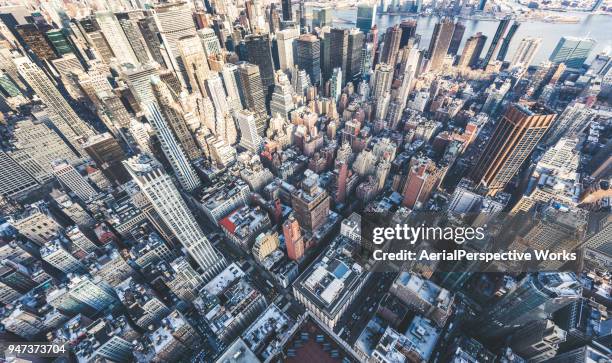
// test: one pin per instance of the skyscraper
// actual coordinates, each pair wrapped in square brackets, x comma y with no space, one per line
[129,25]
[14,180]
[308,58]
[210,42]
[260,54]
[391,46]
[293,238]
[515,136]
[253,94]
[157,186]
[287,11]
[338,49]
[284,40]
[366,15]
[60,112]
[440,41]
[230,82]
[170,146]
[526,51]
[116,37]
[174,21]
[408,28]
[453,47]
[572,51]
[503,50]
[353,59]
[249,139]
[496,41]
[471,51]
[73,180]
[535,297]
[195,63]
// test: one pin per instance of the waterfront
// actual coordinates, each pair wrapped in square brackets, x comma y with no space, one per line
[596,26]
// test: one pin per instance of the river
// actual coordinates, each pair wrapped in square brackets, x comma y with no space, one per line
[598,27]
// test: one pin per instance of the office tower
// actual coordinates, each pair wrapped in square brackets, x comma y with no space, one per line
[287,11]
[59,42]
[73,180]
[54,253]
[167,201]
[129,24]
[253,93]
[116,37]
[381,80]
[42,144]
[533,298]
[366,15]
[503,49]
[230,81]
[14,180]
[440,41]
[516,134]
[423,177]
[34,38]
[91,30]
[282,98]
[496,41]
[105,150]
[249,138]
[391,45]
[284,40]
[195,63]
[572,51]
[79,240]
[309,56]
[453,47]
[174,21]
[83,294]
[216,92]
[148,29]
[310,203]
[294,241]
[338,49]
[593,352]
[60,112]
[260,54]
[165,121]
[408,28]
[538,340]
[353,59]
[324,17]
[599,239]
[210,42]
[336,84]
[525,52]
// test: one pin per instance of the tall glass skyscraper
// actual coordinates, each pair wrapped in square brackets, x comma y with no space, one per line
[365,17]
[572,51]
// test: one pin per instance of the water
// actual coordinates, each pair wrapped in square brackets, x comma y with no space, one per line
[598,27]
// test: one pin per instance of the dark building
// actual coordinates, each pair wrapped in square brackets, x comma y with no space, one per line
[440,41]
[338,50]
[35,39]
[287,12]
[515,136]
[308,51]
[108,155]
[259,53]
[453,48]
[471,50]
[408,28]
[354,54]
[149,31]
[496,41]
[59,42]
[252,93]
[391,46]
[503,50]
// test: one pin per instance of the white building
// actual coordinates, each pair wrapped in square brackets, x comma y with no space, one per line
[249,138]
[73,180]
[157,186]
